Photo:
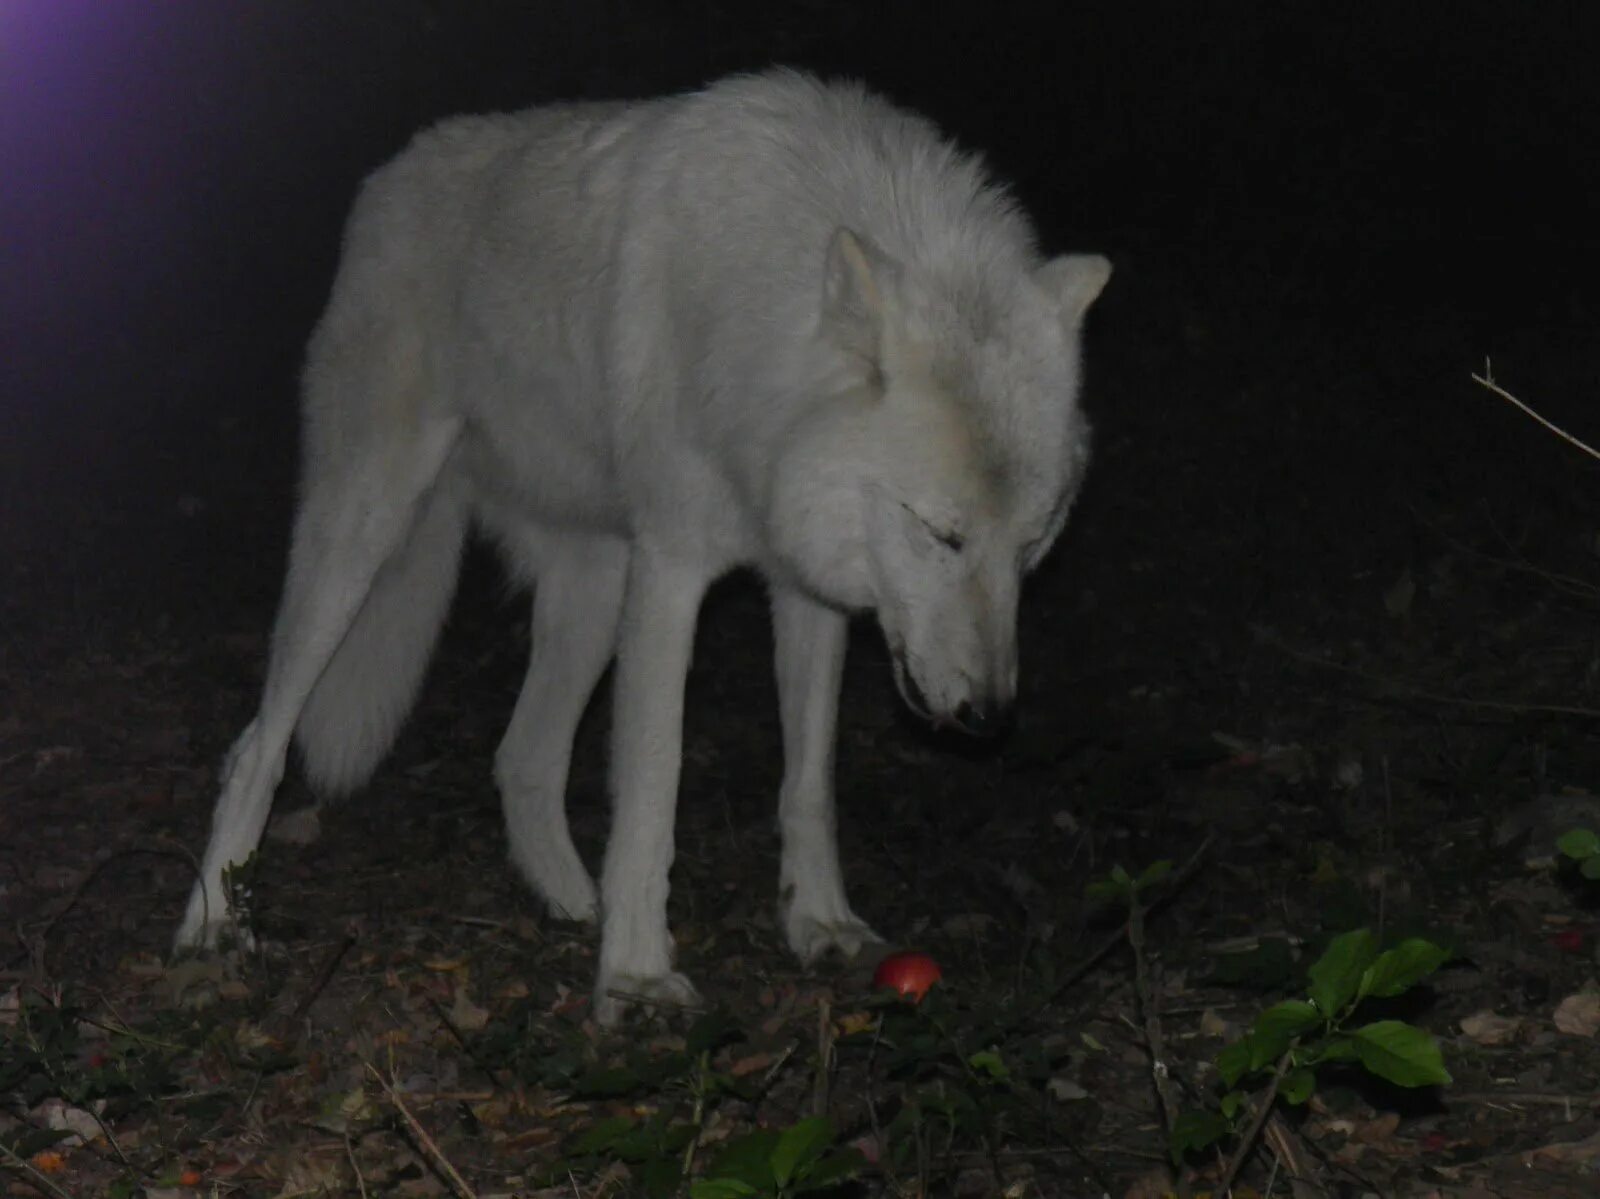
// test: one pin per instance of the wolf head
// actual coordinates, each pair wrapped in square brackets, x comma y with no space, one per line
[942,466]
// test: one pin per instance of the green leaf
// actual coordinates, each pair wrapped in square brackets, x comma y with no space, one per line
[1196,1130]
[1231,1103]
[1590,868]
[1276,1029]
[1401,1053]
[749,1159]
[1121,877]
[1337,1049]
[1297,1086]
[833,1169]
[604,1136]
[989,1062]
[1291,1018]
[1233,1062]
[798,1147]
[1399,969]
[1337,973]
[720,1188]
[1102,891]
[661,1176]
[1579,843]
[1152,874]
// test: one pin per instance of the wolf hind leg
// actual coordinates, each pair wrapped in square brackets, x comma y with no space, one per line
[576,605]
[810,645]
[347,527]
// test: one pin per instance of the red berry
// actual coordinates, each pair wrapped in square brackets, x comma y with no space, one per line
[909,973]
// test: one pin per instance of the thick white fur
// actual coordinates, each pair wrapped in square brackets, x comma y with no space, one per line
[776,323]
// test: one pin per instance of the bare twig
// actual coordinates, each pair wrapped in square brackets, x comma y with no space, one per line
[698,1119]
[32,1175]
[34,941]
[350,1153]
[1263,1110]
[457,1183]
[1487,380]
[1545,1098]
[1114,939]
[1286,1146]
[1155,1038]
[324,977]
[819,1085]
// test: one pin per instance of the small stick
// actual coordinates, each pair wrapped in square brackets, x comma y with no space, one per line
[350,1153]
[457,1183]
[1487,380]
[34,1176]
[324,977]
[819,1088]
[1263,1110]
[1155,1038]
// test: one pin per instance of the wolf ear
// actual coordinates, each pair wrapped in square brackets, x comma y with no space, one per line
[1074,280]
[856,282]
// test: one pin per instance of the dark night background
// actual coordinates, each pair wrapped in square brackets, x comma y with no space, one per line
[173,178]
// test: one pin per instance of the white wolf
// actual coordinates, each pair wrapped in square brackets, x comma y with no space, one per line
[776,323]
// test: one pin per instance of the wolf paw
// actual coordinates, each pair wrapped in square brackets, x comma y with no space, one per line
[810,937]
[558,876]
[202,936]
[659,994]
[576,903]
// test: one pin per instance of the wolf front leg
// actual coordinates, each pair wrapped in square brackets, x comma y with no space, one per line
[655,643]
[810,642]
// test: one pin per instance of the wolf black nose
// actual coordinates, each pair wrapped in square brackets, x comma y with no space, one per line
[983,719]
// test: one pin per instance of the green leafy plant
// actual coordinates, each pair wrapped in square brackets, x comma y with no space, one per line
[1582,846]
[1119,884]
[1291,1040]
[798,1160]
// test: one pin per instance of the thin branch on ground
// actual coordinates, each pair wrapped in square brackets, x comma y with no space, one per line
[1170,888]
[350,1154]
[324,976]
[820,1083]
[1263,1109]
[457,1183]
[31,1174]
[1487,380]
[1155,1037]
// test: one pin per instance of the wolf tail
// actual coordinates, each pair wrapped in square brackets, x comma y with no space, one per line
[369,686]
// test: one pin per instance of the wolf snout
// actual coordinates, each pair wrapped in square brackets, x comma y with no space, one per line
[983,718]
[979,716]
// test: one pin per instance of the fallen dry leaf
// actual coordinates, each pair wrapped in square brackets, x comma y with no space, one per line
[60,1116]
[466,1015]
[1579,1015]
[1490,1028]
[1571,1152]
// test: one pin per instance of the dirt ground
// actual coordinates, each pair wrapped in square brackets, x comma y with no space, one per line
[1321,633]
